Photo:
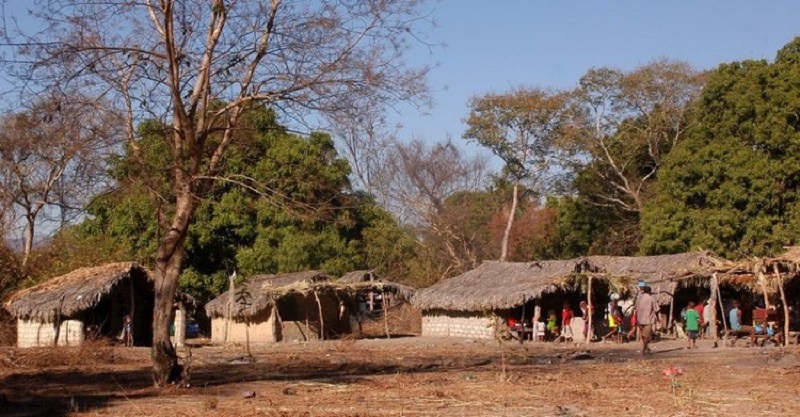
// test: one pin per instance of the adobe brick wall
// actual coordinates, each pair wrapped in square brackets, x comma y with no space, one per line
[34,333]
[457,324]
[261,328]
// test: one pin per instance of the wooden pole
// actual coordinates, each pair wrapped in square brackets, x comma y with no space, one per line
[671,311]
[229,309]
[321,320]
[785,305]
[279,320]
[712,304]
[305,299]
[763,280]
[386,315]
[722,309]
[58,320]
[589,311]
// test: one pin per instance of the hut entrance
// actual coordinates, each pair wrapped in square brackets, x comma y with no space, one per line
[540,309]
[134,296]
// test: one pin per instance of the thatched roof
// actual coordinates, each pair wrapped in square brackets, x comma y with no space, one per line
[364,275]
[500,285]
[264,290]
[258,292]
[758,273]
[367,279]
[71,293]
[497,285]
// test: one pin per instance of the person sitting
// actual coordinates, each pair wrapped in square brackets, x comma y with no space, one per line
[774,332]
[736,324]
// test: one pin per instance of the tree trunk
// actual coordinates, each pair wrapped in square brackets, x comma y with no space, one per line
[168,267]
[30,227]
[507,232]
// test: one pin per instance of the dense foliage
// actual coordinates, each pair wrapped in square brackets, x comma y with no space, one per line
[305,217]
[732,186]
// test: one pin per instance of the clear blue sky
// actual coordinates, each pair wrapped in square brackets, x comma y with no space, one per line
[496,45]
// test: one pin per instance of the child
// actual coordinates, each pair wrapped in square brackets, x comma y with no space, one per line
[692,318]
[552,323]
[566,320]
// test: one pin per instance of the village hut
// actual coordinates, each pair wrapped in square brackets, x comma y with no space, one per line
[379,308]
[470,304]
[61,310]
[775,287]
[271,308]
[477,303]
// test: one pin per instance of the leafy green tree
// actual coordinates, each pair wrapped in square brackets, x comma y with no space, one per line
[306,218]
[732,186]
[520,127]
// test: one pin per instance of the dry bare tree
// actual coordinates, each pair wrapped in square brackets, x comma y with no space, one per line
[415,182]
[52,159]
[633,119]
[175,61]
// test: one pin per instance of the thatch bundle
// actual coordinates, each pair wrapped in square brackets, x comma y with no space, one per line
[71,293]
[501,285]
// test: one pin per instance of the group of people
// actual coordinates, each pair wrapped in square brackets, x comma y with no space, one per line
[697,316]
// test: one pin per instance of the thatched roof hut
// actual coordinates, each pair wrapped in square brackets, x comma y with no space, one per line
[498,285]
[502,285]
[71,293]
[262,290]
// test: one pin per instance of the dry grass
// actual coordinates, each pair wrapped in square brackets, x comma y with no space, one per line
[422,377]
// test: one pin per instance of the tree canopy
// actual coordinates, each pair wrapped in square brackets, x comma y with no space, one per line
[732,186]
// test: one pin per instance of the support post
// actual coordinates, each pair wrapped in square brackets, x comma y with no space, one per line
[712,304]
[786,317]
[722,309]
[321,320]
[229,308]
[671,312]
[589,312]
[57,320]
[537,314]
[763,281]
[386,315]
[279,321]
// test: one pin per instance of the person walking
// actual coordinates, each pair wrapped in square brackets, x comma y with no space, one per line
[646,316]
[692,322]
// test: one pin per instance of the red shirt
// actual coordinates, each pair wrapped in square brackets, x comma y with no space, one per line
[566,316]
[699,309]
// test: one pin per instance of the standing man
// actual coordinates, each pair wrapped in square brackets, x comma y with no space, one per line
[646,316]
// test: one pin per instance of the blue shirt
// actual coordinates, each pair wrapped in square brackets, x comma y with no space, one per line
[735,325]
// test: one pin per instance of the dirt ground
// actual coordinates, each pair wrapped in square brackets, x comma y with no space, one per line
[407,377]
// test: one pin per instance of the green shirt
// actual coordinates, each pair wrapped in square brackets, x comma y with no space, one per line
[692,320]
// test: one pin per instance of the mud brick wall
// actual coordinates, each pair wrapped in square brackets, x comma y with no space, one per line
[33,333]
[261,328]
[457,324]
